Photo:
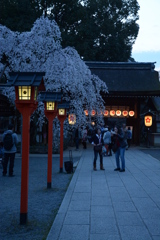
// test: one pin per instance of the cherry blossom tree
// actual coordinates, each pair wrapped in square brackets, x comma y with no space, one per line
[40,50]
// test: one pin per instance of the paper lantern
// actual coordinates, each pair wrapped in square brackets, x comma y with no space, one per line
[72,119]
[125,113]
[93,112]
[131,113]
[105,113]
[86,112]
[148,121]
[118,113]
[112,113]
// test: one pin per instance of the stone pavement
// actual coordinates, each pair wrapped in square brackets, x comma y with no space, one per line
[109,205]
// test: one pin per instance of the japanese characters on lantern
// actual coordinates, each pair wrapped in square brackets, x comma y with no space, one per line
[148,121]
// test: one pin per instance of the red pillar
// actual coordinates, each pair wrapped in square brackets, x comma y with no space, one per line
[50,139]
[25,168]
[26,110]
[61,119]
[50,116]
[61,147]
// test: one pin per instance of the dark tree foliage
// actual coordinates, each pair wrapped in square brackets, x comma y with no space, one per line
[19,15]
[102,30]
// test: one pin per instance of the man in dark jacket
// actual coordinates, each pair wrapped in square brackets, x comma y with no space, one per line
[97,142]
[120,134]
[9,150]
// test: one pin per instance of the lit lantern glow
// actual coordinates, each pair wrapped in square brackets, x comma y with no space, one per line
[86,112]
[105,113]
[24,92]
[50,105]
[131,113]
[61,111]
[112,113]
[125,113]
[118,113]
[93,112]
[72,119]
[93,123]
[148,121]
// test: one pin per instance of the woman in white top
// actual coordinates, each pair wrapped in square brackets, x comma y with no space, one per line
[107,141]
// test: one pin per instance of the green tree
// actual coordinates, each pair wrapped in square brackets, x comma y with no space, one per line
[102,30]
[19,15]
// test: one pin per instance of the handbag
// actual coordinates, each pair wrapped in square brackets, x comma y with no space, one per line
[98,148]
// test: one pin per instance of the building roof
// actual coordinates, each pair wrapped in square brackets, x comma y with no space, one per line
[127,78]
[50,96]
[63,105]
[25,78]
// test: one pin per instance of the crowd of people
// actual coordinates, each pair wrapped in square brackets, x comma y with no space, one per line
[106,141]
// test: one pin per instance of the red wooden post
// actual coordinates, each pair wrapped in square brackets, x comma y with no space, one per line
[61,119]
[50,116]
[26,87]
[25,168]
[26,110]
[61,147]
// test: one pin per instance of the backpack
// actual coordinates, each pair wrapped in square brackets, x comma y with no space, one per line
[8,141]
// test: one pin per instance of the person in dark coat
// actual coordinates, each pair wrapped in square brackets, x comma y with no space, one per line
[97,141]
[119,136]
[77,137]
[9,154]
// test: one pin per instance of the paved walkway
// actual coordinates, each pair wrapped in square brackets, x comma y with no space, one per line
[109,205]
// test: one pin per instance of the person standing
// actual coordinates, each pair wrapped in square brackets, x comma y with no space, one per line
[129,136]
[77,137]
[10,141]
[84,139]
[107,141]
[97,142]
[119,136]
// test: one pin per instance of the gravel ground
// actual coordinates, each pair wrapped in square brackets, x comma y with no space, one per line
[43,203]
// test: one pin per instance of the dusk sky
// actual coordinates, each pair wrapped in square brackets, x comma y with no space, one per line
[147,45]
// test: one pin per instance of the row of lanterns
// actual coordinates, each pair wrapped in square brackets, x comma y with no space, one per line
[112,113]
[106,113]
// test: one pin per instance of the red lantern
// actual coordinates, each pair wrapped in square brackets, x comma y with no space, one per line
[72,119]
[125,113]
[118,113]
[112,113]
[93,112]
[86,112]
[148,121]
[131,113]
[105,113]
